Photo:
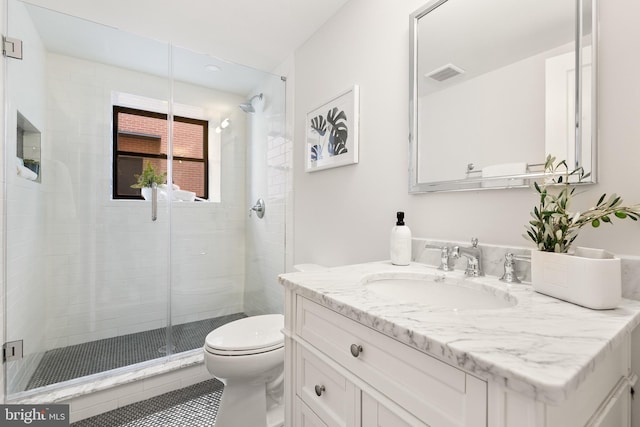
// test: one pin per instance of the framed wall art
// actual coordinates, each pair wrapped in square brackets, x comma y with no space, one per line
[332,132]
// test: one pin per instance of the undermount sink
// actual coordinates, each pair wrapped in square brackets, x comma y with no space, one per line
[438,291]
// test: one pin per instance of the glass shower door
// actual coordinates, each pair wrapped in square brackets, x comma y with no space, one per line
[93,282]
[87,275]
[222,258]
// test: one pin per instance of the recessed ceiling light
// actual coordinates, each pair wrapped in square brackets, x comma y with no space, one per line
[212,67]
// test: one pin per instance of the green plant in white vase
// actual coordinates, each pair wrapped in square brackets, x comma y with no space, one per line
[553,227]
[148,177]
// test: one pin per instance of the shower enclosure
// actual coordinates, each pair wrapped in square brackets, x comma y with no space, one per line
[98,277]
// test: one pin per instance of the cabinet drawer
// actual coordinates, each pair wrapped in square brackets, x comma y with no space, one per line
[305,416]
[599,396]
[325,391]
[376,414]
[436,393]
[616,410]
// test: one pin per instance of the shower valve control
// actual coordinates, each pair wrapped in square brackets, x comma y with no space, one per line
[258,208]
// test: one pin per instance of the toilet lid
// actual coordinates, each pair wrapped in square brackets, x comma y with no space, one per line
[256,333]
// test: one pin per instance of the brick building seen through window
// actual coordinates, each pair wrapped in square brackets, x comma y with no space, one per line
[141,136]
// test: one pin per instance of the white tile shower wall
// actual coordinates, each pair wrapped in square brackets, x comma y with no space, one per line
[207,244]
[267,170]
[207,262]
[25,301]
[108,263]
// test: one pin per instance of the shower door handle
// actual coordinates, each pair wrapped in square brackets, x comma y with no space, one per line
[154,201]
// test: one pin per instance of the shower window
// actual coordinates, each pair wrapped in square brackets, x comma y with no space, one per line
[140,137]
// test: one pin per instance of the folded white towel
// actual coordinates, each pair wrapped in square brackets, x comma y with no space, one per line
[184,196]
[177,195]
[504,169]
[27,173]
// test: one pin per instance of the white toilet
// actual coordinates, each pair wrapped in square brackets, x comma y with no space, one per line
[247,355]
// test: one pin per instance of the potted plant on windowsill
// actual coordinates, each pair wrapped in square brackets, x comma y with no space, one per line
[588,277]
[146,180]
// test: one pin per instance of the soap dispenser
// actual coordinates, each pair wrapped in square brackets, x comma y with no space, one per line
[400,242]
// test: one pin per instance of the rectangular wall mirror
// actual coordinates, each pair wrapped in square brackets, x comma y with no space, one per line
[496,86]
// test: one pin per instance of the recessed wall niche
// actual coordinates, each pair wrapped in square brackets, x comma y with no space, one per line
[28,150]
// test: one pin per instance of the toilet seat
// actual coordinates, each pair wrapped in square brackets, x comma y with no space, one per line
[251,335]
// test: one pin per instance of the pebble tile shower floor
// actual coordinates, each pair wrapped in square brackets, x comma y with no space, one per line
[62,364]
[194,406]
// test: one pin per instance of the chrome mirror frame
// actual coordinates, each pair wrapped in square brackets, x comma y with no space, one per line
[535,172]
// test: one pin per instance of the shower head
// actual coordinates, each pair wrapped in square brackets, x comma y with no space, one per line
[247,106]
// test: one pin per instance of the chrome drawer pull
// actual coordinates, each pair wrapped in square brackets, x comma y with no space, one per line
[319,390]
[356,349]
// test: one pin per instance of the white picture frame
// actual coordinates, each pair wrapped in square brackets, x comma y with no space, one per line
[332,132]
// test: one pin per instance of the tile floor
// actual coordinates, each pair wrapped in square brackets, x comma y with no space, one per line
[194,406]
[62,364]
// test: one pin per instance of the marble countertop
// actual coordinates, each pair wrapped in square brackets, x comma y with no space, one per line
[542,347]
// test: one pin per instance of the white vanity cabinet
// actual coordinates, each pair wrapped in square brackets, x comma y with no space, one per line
[602,400]
[342,373]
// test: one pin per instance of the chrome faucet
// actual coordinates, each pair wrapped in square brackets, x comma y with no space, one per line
[510,275]
[445,260]
[474,258]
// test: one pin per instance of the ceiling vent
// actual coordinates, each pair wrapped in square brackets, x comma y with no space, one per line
[444,73]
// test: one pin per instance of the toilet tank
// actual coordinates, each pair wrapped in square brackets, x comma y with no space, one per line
[309,267]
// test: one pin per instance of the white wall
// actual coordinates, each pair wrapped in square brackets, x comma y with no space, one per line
[497,117]
[344,215]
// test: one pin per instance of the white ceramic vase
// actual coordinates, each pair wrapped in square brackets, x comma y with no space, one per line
[589,277]
[146,192]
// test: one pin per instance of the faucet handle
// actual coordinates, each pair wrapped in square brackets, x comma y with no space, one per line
[509,274]
[445,262]
[474,258]
[445,259]
[455,252]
